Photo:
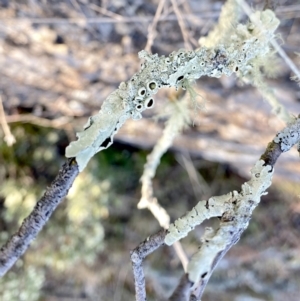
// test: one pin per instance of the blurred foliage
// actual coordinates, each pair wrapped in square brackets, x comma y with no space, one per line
[22,286]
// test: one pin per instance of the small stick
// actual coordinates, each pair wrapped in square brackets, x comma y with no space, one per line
[152,26]
[138,255]
[33,224]
[8,136]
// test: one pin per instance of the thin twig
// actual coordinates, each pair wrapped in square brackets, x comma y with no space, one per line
[138,255]
[58,123]
[152,27]
[200,187]
[103,20]
[115,18]
[105,12]
[33,224]
[286,58]
[182,292]
[182,26]
[8,136]
[181,254]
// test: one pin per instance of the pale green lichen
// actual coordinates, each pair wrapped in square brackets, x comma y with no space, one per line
[236,206]
[216,206]
[227,23]
[180,67]
[194,95]
[289,136]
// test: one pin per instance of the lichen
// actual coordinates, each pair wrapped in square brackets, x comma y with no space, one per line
[233,203]
[234,221]
[175,70]
[289,136]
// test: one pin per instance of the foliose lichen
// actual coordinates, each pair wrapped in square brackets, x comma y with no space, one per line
[174,70]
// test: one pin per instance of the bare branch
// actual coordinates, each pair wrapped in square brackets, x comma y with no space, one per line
[33,224]
[182,26]
[137,256]
[152,26]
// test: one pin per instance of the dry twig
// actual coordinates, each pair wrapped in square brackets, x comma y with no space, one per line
[33,224]
[152,26]
[8,136]
[138,255]
[181,23]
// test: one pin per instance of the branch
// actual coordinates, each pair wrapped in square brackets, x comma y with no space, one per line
[235,210]
[178,70]
[152,27]
[182,292]
[33,224]
[8,136]
[138,255]
[216,244]
[185,33]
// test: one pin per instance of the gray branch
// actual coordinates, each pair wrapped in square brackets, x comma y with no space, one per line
[138,255]
[33,224]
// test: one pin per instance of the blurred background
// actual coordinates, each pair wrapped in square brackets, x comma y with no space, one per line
[58,61]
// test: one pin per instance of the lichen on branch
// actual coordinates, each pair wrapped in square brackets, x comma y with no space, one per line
[175,70]
[234,210]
